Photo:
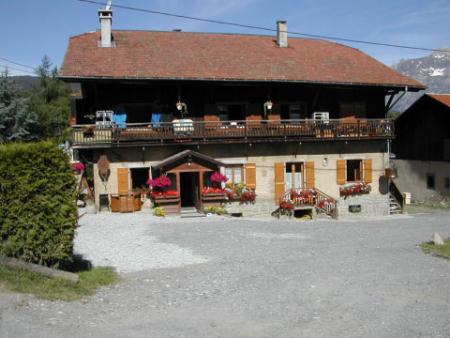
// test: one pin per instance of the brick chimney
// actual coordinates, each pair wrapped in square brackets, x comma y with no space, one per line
[282,35]
[105,17]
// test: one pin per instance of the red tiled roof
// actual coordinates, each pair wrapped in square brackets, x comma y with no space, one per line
[442,98]
[207,56]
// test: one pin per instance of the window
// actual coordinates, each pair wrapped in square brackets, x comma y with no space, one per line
[139,177]
[293,175]
[235,173]
[430,181]
[353,108]
[354,170]
[447,182]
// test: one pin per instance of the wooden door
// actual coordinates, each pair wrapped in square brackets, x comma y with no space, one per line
[123,181]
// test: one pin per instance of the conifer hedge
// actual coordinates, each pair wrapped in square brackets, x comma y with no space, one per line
[38,211]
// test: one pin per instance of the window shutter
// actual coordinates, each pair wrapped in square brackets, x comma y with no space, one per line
[340,172]
[250,175]
[368,171]
[122,181]
[279,181]
[310,179]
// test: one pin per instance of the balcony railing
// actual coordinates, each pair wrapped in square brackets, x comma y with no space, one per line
[195,132]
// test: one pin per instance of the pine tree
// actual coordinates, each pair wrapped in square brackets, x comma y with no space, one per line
[50,100]
[16,122]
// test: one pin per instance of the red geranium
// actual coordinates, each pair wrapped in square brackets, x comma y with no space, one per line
[218,178]
[160,182]
[78,167]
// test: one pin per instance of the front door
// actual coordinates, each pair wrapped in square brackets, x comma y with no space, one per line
[189,189]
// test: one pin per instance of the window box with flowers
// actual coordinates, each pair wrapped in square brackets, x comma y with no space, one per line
[215,192]
[240,193]
[159,189]
[353,189]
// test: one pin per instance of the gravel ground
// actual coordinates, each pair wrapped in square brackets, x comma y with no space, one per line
[125,242]
[253,278]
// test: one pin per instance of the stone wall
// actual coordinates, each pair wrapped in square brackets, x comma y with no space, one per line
[412,178]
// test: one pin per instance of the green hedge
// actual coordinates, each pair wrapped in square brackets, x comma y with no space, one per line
[38,211]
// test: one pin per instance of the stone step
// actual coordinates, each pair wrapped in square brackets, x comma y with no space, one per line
[197,215]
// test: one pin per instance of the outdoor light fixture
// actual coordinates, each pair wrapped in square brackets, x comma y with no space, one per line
[181,107]
[268,105]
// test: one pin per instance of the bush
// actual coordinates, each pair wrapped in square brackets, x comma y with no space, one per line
[215,210]
[159,211]
[38,213]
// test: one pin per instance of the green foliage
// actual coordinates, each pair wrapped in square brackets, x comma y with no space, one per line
[159,211]
[215,210]
[437,250]
[51,103]
[57,289]
[38,212]
[16,122]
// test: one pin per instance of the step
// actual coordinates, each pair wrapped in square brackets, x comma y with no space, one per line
[197,215]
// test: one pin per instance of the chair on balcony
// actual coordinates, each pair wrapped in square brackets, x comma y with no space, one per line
[156,120]
[120,120]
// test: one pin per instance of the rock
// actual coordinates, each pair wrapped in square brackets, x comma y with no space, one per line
[437,239]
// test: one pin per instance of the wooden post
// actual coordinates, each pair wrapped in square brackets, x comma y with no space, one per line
[200,188]
[177,174]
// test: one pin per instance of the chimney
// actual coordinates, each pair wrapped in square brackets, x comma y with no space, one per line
[282,35]
[105,17]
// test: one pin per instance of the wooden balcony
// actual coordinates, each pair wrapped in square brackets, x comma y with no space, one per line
[205,132]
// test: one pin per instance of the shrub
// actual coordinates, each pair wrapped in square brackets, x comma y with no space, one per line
[159,211]
[215,210]
[38,213]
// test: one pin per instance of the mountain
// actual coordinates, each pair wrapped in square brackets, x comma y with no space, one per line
[432,70]
[25,82]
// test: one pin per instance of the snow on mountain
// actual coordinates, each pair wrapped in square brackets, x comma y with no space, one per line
[432,70]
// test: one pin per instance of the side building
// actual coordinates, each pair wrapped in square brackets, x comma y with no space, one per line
[422,149]
[283,116]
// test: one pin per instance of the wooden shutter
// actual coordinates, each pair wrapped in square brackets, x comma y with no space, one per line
[310,179]
[279,181]
[368,171]
[340,172]
[250,175]
[122,181]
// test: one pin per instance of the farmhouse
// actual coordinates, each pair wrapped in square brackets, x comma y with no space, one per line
[295,120]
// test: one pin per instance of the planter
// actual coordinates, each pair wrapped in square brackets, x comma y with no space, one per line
[126,203]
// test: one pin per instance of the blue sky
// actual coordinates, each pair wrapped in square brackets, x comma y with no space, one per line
[33,28]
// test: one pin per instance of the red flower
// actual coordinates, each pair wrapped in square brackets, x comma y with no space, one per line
[160,182]
[218,178]
[78,167]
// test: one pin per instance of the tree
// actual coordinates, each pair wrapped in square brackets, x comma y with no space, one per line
[17,123]
[50,101]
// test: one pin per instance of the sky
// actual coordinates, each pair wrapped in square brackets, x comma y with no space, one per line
[34,28]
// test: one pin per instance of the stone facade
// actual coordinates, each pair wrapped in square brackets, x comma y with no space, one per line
[323,154]
[412,178]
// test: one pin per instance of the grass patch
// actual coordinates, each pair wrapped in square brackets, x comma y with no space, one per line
[56,289]
[416,207]
[437,250]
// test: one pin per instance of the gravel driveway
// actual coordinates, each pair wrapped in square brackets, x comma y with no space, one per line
[220,277]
